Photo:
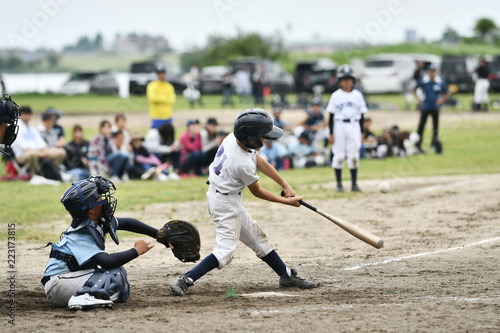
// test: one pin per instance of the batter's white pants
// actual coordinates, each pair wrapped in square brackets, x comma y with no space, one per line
[481,91]
[234,223]
[346,144]
[60,288]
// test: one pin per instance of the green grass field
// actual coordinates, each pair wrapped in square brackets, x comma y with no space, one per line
[469,148]
[114,104]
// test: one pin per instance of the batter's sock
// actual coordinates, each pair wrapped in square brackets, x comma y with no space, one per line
[354,175]
[274,261]
[338,176]
[206,265]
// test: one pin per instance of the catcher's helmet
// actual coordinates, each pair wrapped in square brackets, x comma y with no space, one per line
[252,124]
[86,194]
[9,114]
[345,71]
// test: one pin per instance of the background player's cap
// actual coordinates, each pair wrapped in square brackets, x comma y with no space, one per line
[160,69]
[212,121]
[431,67]
[192,121]
[307,135]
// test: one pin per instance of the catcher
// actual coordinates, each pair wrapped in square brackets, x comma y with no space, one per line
[79,273]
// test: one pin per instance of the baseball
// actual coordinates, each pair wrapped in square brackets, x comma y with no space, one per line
[384,187]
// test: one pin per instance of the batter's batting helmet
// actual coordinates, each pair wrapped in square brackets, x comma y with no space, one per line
[87,194]
[345,71]
[253,124]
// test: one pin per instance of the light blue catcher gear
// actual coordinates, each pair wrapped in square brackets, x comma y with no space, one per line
[107,284]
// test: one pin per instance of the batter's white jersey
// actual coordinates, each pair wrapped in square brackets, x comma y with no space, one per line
[347,108]
[232,170]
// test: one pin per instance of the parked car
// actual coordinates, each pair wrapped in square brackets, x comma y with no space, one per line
[98,82]
[456,72]
[388,73]
[279,80]
[211,79]
[141,73]
[495,73]
[317,72]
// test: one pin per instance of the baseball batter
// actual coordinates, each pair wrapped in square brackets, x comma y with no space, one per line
[233,169]
[346,107]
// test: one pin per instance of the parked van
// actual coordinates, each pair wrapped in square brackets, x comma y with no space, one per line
[316,72]
[278,79]
[387,73]
[457,72]
[91,81]
[141,73]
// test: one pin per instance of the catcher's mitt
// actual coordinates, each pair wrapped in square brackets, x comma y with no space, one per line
[184,237]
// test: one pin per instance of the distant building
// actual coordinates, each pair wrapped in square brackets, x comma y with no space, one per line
[139,44]
[411,35]
[316,47]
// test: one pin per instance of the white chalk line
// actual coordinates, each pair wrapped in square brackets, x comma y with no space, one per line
[455,184]
[421,254]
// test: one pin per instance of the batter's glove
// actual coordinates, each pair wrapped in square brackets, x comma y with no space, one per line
[184,238]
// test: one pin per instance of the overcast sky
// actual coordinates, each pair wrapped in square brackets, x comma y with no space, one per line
[55,23]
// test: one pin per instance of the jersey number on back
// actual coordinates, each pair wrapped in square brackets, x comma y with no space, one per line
[218,167]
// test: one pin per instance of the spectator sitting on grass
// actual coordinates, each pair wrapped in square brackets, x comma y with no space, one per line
[76,163]
[210,141]
[121,125]
[30,147]
[274,152]
[160,141]
[104,158]
[146,165]
[192,155]
[304,152]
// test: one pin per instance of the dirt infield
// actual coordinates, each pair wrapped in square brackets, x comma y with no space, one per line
[437,272]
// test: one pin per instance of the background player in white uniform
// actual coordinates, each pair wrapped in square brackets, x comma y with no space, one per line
[346,107]
[233,169]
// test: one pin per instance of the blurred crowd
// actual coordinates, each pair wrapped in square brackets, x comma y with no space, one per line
[121,155]
[114,151]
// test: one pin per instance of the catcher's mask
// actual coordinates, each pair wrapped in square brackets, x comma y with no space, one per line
[253,124]
[90,193]
[9,114]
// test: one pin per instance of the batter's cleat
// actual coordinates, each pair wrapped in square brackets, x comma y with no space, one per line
[339,188]
[355,188]
[296,281]
[86,302]
[180,284]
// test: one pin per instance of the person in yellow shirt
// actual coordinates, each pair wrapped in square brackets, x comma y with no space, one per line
[161,97]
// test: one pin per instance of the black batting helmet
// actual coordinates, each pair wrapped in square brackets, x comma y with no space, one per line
[253,124]
[345,71]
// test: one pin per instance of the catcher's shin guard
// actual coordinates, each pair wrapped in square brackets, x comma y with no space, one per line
[107,284]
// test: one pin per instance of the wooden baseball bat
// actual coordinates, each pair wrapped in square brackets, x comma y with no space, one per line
[354,230]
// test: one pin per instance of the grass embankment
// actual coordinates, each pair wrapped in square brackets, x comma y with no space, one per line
[115,104]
